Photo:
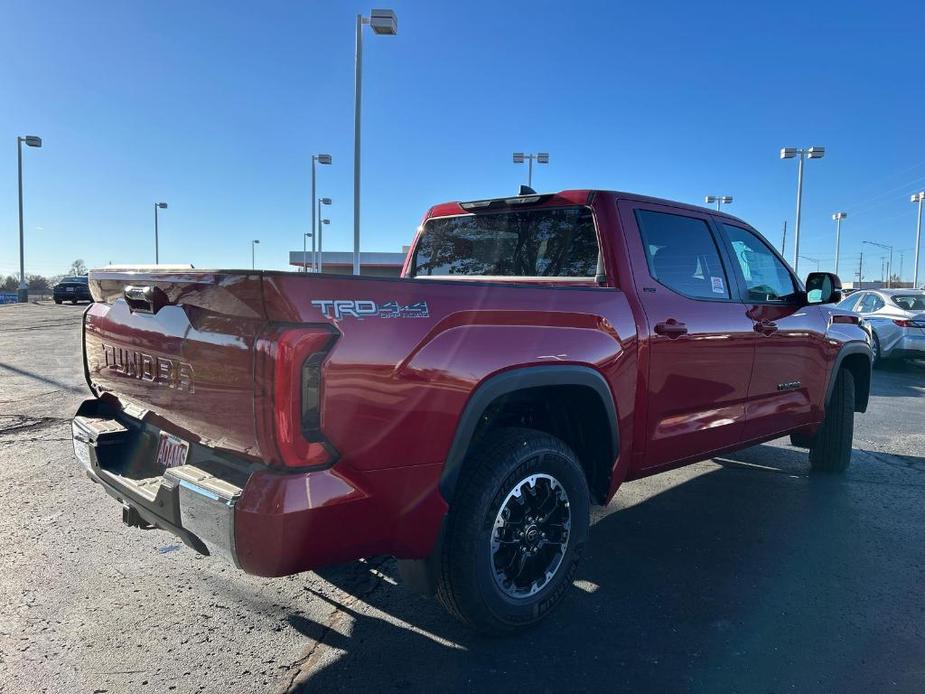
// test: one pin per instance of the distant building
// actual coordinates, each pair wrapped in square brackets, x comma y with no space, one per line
[341,262]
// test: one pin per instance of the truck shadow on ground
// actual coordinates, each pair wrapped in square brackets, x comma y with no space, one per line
[754,576]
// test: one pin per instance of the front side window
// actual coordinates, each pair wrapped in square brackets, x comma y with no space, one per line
[767,279]
[871,303]
[546,242]
[682,255]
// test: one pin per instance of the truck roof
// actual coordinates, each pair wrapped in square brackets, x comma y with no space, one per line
[579,196]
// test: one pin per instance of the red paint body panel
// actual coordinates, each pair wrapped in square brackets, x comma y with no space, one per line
[393,390]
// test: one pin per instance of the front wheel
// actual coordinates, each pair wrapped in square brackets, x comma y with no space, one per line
[831,448]
[515,531]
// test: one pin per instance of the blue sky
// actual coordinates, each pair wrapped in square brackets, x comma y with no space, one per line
[216,107]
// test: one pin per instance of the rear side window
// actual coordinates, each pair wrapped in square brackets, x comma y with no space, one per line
[682,254]
[767,279]
[910,302]
[548,242]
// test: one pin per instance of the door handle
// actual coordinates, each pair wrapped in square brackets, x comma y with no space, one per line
[766,327]
[671,328]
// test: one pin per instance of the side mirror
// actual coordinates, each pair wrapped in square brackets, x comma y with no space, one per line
[823,288]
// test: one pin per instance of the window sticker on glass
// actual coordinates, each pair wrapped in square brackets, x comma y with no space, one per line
[718,286]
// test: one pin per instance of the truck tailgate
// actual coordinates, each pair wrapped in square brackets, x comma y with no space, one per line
[181,346]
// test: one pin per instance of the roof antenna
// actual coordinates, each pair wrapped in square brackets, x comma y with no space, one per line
[526,190]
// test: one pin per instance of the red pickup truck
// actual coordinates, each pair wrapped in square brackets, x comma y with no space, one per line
[538,351]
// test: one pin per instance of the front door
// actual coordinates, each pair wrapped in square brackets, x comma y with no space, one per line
[699,343]
[791,369]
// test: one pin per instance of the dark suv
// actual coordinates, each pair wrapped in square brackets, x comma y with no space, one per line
[72,289]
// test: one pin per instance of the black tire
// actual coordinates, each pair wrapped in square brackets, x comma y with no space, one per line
[74,302]
[831,449]
[876,357]
[57,301]
[468,584]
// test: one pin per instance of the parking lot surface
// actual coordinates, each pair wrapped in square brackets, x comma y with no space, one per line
[742,574]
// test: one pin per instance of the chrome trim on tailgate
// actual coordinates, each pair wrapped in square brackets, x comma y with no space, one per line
[201,502]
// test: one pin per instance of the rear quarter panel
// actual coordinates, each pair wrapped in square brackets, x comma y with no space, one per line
[395,388]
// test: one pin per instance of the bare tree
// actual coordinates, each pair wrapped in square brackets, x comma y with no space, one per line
[78,267]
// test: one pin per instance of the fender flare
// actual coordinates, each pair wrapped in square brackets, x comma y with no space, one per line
[513,380]
[849,348]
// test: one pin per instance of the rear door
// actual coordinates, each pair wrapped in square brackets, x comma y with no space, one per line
[700,343]
[791,357]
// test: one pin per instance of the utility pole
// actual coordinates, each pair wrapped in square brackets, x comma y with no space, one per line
[861,271]
[783,241]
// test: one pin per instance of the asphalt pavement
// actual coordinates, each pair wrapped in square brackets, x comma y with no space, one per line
[742,574]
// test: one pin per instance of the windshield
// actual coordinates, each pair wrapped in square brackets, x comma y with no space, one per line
[549,242]
[910,302]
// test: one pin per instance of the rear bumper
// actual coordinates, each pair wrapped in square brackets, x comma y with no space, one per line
[188,501]
[76,295]
[907,347]
[265,521]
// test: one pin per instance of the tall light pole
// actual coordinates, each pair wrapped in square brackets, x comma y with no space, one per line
[31,141]
[838,216]
[383,22]
[917,197]
[317,258]
[157,256]
[321,223]
[307,235]
[889,281]
[539,157]
[320,159]
[790,153]
[254,254]
[719,200]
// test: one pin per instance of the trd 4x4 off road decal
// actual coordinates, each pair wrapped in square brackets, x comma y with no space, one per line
[366,308]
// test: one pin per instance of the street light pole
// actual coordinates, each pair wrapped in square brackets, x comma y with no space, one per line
[318,259]
[838,216]
[305,236]
[540,157]
[719,200]
[157,206]
[320,159]
[386,23]
[790,153]
[254,254]
[321,223]
[917,197]
[31,141]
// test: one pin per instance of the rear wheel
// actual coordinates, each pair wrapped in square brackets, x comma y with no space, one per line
[877,358]
[831,448]
[57,301]
[515,531]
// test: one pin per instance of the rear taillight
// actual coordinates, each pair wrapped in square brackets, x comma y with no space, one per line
[290,364]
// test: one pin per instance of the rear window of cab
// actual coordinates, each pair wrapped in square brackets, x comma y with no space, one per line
[545,242]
